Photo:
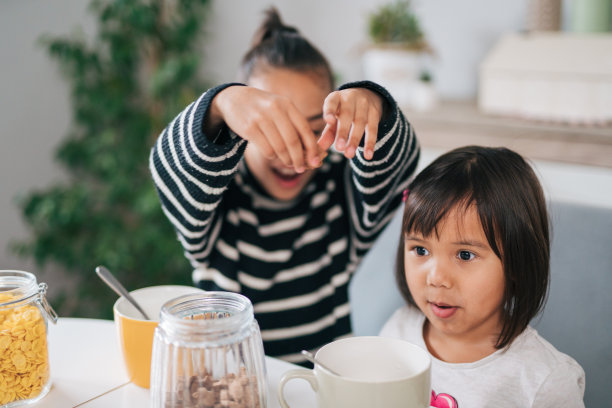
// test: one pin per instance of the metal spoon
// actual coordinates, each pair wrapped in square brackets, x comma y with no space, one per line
[310,357]
[115,285]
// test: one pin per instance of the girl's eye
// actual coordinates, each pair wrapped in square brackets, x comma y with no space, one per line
[420,251]
[466,255]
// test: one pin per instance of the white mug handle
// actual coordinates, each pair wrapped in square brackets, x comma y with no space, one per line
[305,374]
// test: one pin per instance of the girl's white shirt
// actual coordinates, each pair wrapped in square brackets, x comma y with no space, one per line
[531,372]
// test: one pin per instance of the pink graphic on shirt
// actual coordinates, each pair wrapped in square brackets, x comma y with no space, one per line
[443,401]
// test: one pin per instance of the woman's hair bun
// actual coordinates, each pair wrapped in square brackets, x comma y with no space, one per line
[280,46]
[271,25]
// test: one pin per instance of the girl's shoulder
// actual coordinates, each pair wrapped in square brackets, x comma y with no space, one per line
[556,376]
[531,347]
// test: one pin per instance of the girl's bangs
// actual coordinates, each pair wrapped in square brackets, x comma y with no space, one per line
[425,209]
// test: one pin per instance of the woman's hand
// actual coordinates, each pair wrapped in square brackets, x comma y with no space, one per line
[270,121]
[349,114]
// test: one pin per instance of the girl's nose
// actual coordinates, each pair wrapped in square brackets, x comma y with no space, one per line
[438,274]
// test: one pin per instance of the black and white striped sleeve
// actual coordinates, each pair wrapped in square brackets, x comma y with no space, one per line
[375,187]
[191,172]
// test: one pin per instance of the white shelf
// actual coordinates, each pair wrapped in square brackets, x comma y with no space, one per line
[457,123]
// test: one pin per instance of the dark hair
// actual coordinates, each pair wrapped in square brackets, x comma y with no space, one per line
[279,46]
[512,210]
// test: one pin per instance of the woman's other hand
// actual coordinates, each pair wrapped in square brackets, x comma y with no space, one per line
[350,114]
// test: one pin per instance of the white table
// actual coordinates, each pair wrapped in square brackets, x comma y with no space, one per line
[87,370]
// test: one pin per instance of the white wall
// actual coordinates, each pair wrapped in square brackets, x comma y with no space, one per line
[461,32]
[34,102]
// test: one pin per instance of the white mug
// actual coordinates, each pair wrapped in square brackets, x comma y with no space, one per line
[370,372]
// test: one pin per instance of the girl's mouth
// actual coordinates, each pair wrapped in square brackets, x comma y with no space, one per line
[442,310]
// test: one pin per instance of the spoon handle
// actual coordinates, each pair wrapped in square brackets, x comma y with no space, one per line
[310,357]
[115,285]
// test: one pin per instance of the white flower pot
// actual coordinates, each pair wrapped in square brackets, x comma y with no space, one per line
[398,70]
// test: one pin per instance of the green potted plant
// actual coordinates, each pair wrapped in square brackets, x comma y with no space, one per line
[126,83]
[396,56]
[394,25]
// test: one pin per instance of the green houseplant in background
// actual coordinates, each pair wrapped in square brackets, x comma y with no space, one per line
[395,25]
[396,57]
[139,71]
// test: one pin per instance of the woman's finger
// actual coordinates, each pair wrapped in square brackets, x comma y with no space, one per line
[292,141]
[330,108]
[371,134]
[265,148]
[274,139]
[309,148]
[357,127]
[327,137]
[345,120]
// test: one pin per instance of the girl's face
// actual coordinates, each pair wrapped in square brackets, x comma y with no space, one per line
[456,279]
[307,91]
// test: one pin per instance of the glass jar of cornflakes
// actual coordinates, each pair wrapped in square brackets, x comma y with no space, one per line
[24,357]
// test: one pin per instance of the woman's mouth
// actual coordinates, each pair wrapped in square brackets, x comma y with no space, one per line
[442,310]
[286,177]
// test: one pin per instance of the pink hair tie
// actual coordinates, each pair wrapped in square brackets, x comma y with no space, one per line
[405,195]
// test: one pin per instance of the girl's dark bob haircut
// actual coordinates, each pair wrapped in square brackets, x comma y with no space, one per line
[512,209]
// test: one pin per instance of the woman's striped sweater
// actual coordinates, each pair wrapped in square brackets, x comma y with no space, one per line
[292,259]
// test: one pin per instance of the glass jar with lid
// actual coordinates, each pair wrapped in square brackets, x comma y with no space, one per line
[24,357]
[208,352]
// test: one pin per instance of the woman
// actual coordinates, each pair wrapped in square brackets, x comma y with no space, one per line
[288,225]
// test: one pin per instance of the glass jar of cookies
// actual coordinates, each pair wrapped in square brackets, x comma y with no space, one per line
[24,356]
[208,352]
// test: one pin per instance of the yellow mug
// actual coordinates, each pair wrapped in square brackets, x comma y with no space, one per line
[136,333]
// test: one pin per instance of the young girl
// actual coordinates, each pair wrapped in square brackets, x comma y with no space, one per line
[473,267]
[240,175]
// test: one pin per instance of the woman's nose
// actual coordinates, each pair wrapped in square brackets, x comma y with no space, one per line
[438,274]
